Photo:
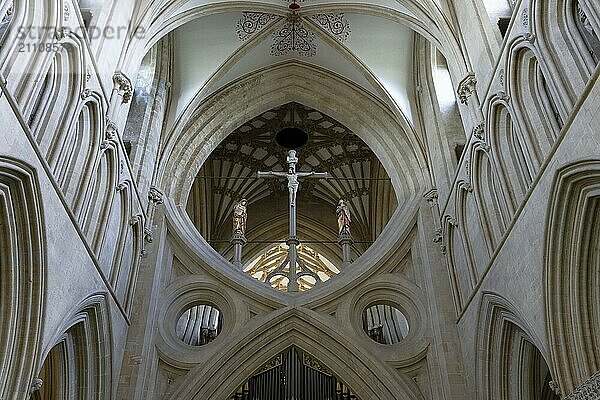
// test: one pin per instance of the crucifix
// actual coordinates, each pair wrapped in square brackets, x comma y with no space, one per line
[292,260]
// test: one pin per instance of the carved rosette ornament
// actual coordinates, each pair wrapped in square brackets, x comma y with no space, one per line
[467,87]
[123,86]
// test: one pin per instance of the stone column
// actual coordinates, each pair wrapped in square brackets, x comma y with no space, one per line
[346,242]
[239,241]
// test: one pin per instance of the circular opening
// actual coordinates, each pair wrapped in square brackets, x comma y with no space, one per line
[385,324]
[291,138]
[199,325]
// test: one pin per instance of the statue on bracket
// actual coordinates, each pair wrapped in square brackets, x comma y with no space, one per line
[343,216]
[240,216]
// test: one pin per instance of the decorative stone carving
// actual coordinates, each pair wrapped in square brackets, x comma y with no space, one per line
[62,33]
[529,37]
[467,87]
[155,196]
[525,18]
[122,186]
[86,93]
[36,385]
[66,13]
[478,131]
[501,77]
[554,387]
[111,132]
[432,197]
[136,219]
[590,390]
[123,85]
[438,236]
[503,96]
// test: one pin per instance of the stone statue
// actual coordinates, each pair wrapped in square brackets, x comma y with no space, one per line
[240,216]
[343,216]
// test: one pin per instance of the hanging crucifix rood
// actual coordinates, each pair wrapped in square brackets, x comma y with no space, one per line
[296,267]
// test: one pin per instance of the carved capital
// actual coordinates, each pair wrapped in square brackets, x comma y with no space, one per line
[122,186]
[136,220]
[466,186]
[86,93]
[111,130]
[467,87]
[438,236]
[155,196]
[529,37]
[148,235]
[432,197]
[123,85]
[36,385]
[62,33]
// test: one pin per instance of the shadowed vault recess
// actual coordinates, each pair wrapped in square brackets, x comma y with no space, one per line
[230,174]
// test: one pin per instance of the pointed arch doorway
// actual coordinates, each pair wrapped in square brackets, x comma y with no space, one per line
[293,375]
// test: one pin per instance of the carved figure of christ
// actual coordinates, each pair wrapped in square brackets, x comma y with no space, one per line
[292,177]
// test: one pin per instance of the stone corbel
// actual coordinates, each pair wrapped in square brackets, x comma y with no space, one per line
[36,385]
[62,33]
[123,86]
[85,94]
[155,198]
[467,87]
[529,37]
[431,197]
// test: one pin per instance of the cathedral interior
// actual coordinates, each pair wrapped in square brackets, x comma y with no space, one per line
[300,200]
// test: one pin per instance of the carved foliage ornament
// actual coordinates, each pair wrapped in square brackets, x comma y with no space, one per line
[467,87]
[123,85]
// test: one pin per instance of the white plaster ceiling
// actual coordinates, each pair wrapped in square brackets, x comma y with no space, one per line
[208,54]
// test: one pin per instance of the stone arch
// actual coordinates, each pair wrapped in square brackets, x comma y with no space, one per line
[533,103]
[22,276]
[56,99]
[221,376]
[79,363]
[76,154]
[203,126]
[488,195]
[99,193]
[571,273]
[511,151]
[509,356]
[561,44]
[22,65]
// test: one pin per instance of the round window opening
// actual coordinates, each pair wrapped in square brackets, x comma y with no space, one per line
[384,324]
[199,325]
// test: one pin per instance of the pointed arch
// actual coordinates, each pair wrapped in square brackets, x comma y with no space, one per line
[488,194]
[510,359]
[79,363]
[221,376]
[22,276]
[572,273]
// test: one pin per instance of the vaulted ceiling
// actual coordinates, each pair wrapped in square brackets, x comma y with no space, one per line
[374,52]
[230,174]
